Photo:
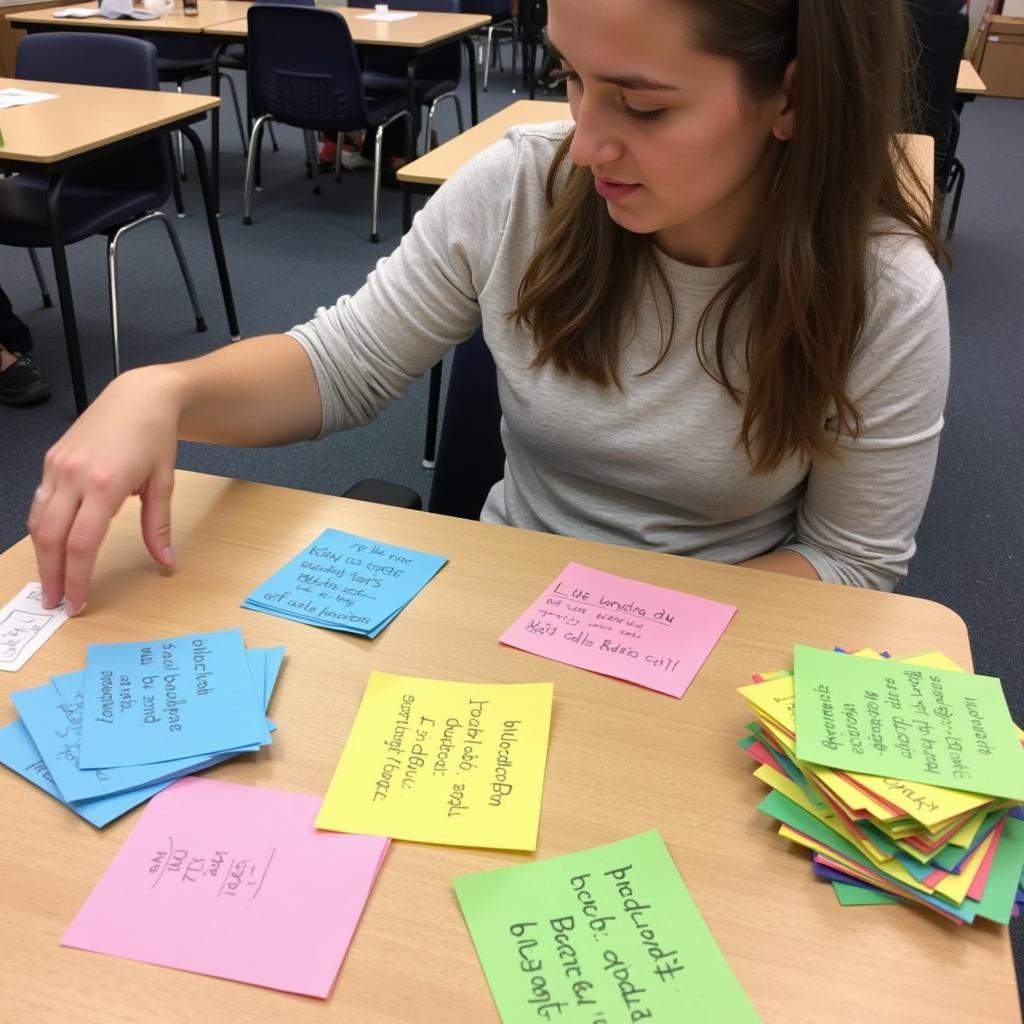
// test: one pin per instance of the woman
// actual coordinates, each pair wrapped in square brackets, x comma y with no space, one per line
[718,325]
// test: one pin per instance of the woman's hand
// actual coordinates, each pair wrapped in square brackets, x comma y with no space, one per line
[124,443]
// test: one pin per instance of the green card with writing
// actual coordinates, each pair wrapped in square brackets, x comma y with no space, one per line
[597,937]
[904,721]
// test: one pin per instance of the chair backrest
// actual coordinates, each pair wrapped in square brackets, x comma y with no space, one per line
[95,58]
[470,455]
[441,63]
[303,69]
[941,35]
[499,10]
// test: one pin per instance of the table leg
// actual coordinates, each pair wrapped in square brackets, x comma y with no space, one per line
[67,306]
[211,221]
[474,114]
[215,124]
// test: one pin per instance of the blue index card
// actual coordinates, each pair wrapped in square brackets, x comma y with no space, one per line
[53,716]
[159,700]
[19,753]
[346,582]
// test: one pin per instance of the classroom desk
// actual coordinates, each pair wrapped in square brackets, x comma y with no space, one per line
[174,23]
[968,81]
[86,122]
[622,760]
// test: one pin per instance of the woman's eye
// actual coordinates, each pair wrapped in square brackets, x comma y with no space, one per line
[642,115]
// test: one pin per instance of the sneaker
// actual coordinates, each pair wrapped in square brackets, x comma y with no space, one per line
[353,160]
[22,383]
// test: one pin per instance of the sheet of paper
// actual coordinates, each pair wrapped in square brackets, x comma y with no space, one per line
[346,582]
[907,722]
[159,700]
[862,895]
[623,628]
[13,97]
[25,625]
[19,753]
[79,12]
[443,762]
[235,882]
[608,934]
[386,16]
[53,716]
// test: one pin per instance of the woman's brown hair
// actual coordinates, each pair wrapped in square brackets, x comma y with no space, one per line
[805,289]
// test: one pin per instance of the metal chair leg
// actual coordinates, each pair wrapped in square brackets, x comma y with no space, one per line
[179,149]
[487,59]
[311,156]
[112,245]
[958,175]
[37,267]
[378,141]
[430,116]
[338,143]
[255,141]
[273,138]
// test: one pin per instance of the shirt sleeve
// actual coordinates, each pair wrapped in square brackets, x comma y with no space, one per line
[418,302]
[861,510]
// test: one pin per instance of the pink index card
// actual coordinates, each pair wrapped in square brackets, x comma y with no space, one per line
[649,635]
[233,881]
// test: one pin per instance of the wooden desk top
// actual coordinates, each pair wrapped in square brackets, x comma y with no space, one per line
[85,117]
[426,29]
[437,166]
[968,81]
[211,12]
[622,760]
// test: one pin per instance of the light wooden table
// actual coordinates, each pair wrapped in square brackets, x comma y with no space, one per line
[211,12]
[968,81]
[86,123]
[174,23]
[622,760]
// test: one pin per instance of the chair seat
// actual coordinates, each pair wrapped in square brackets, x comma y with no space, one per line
[427,90]
[85,211]
[235,58]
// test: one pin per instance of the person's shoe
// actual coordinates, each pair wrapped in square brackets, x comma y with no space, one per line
[353,160]
[22,383]
[328,151]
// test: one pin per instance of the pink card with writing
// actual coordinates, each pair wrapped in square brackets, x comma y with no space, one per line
[233,881]
[619,627]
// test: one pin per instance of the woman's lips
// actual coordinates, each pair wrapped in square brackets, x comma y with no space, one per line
[613,190]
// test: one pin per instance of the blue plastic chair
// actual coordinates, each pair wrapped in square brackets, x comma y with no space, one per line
[438,71]
[503,23]
[109,196]
[303,71]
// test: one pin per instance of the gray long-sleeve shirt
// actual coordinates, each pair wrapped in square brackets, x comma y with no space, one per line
[657,464]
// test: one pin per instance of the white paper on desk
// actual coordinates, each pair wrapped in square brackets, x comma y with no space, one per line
[19,97]
[387,16]
[78,12]
[25,625]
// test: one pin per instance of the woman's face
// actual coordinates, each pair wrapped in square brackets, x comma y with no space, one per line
[676,149]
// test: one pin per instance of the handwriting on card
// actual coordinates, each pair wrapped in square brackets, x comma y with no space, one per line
[220,873]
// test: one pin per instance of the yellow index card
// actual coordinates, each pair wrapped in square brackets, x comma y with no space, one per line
[442,762]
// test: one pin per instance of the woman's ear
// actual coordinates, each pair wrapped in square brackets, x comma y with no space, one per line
[782,127]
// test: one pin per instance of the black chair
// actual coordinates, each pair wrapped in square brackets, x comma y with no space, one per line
[438,71]
[470,454]
[109,196]
[941,34]
[503,24]
[303,71]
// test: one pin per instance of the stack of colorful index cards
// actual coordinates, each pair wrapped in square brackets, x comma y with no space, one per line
[903,777]
[138,717]
[344,582]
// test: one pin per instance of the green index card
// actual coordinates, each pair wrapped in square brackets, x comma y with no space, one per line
[908,722]
[608,934]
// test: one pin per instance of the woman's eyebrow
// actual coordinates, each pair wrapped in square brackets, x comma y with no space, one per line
[637,82]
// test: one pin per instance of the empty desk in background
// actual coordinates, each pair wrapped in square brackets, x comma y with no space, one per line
[84,123]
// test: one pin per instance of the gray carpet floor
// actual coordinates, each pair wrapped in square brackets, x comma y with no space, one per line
[303,251]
